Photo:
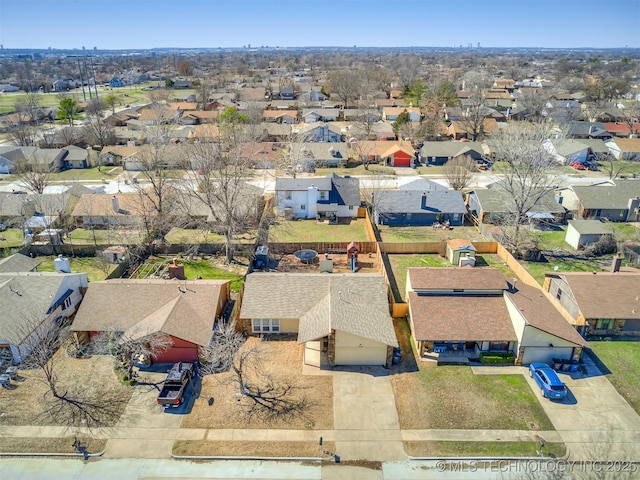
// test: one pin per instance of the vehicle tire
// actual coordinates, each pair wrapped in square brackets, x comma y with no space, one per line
[542,392]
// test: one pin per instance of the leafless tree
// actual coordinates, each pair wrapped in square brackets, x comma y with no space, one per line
[525,165]
[631,118]
[476,110]
[69,403]
[30,106]
[612,167]
[21,132]
[98,131]
[34,178]
[460,171]
[203,94]
[346,85]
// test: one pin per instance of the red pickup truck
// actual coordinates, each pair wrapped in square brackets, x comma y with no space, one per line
[177,379]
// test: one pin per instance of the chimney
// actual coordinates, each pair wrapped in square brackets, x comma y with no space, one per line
[115,204]
[615,263]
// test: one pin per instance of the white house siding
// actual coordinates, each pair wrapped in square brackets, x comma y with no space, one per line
[572,237]
[354,350]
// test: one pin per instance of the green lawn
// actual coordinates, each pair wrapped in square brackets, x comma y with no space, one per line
[88,174]
[11,237]
[622,359]
[203,269]
[548,240]
[427,234]
[482,449]
[294,231]
[400,263]
[94,267]
[82,236]
[537,269]
[192,236]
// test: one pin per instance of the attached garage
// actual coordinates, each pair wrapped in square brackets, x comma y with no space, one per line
[354,350]
[313,353]
[546,354]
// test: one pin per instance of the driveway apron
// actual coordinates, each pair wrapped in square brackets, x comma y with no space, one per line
[365,418]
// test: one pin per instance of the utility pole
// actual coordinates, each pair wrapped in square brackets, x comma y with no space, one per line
[84,95]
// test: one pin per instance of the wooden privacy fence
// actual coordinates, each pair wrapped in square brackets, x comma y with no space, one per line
[320,247]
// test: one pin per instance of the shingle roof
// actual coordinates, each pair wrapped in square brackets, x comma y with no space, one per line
[589,227]
[450,149]
[604,294]
[18,263]
[607,196]
[456,278]
[182,309]
[410,201]
[352,303]
[463,318]
[538,312]
[496,200]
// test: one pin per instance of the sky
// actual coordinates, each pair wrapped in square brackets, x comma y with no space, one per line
[140,24]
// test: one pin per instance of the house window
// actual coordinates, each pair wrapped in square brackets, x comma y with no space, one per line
[287,195]
[323,195]
[67,303]
[266,325]
[350,207]
[559,294]
[604,324]
[303,207]
[499,346]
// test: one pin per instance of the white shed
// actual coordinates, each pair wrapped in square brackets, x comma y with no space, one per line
[583,232]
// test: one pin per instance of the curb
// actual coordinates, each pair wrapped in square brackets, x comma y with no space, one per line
[276,459]
[43,454]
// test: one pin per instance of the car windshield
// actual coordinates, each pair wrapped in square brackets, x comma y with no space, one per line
[557,387]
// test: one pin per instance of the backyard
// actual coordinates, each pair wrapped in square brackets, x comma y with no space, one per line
[11,237]
[428,234]
[95,268]
[622,360]
[191,236]
[301,231]
[107,236]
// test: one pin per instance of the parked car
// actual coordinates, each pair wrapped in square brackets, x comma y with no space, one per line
[577,165]
[172,393]
[550,385]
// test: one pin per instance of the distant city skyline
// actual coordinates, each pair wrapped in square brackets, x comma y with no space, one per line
[144,24]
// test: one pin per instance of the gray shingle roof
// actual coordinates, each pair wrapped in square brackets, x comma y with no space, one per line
[607,196]
[410,201]
[479,278]
[449,149]
[352,303]
[18,263]
[496,200]
[589,227]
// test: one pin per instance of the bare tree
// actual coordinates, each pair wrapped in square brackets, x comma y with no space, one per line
[612,167]
[475,111]
[631,118]
[69,403]
[460,171]
[525,164]
[203,93]
[346,84]
[35,178]
[98,131]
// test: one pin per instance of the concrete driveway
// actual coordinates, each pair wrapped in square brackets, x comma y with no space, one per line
[594,421]
[364,415]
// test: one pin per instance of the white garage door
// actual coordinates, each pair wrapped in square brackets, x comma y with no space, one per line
[361,355]
[312,353]
[546,354]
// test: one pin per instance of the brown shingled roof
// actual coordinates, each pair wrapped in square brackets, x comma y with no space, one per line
[458,278]
[462,318]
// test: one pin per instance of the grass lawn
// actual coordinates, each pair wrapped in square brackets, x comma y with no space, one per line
[11,237]
[205,270]
[427,234]
[94,267]
[49,445]
[548,240]
[82,236]
[250,449]
[482,449]
[190,236]
[289,231]
[623,361]
[400,263]
[453,397]
[564,264]
[87,174]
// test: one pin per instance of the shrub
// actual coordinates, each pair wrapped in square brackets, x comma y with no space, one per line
[497,358]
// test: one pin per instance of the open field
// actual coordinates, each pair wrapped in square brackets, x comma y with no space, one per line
[299,231]
[622,359]
[251,449]
[453,397]
[427,234]
[284,362]
[95,268]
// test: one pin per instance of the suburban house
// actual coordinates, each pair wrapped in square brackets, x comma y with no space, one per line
[117,155]
[588,130]
[318,132]
[460,130]
[439,153]
[100,210]
[285,117]
[400,154]
[602,303]
[14,209]
[18,263]
[197,117]
[469,312]
[413,207]
[32,303]
[342,319]
[309,155]
[397,152]
[331,197]
[493,205]
[625,148]
[581,233]
[185,310]
[617,203]
[76,157]
[310,115]
[390,114]
[622,130]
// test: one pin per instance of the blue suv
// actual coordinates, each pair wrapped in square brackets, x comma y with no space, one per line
[550,385]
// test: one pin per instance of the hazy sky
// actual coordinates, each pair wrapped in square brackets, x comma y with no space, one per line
[121,24]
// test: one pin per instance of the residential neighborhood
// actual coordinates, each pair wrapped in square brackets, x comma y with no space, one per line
[376,259]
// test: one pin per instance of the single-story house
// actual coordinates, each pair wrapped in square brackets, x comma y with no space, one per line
[76,157]
[19,263]
[185,310]
[342,319]
[285,117]
[587,130]
[584,232]
[309,155]
[625,148]
[331,197]
[318,132]
[602,303]
[471,311]
[412,207]
[32,303]
[399,155]
[117,155]
[320,115]
[622,130]
[439,153]
[617,203]
[391,113]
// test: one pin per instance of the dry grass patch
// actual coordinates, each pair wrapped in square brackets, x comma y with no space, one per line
[48,445]
[250,449]
[283,359]
[27,403]
[452,397]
